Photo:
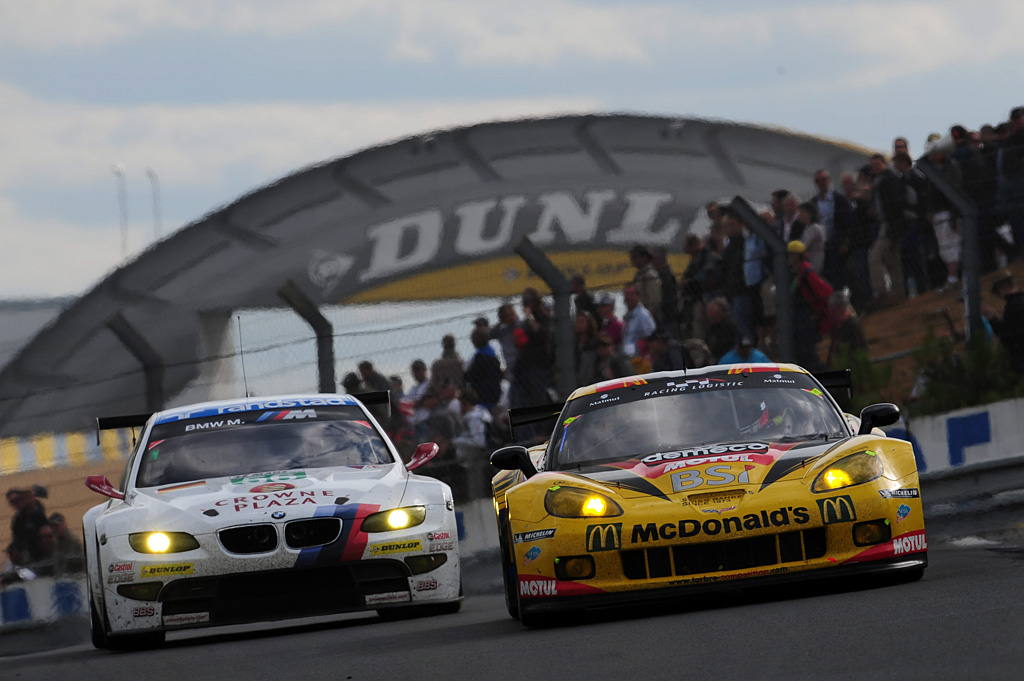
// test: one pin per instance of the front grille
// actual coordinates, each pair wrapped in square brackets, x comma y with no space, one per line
[722,556]
[249,539]
[276,594]
[302,534]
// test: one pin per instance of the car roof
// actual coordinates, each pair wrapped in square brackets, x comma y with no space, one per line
[238,405]
[641,379]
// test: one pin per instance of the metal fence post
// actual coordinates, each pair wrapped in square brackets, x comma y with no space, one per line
[780,267]
[307,309]
[969,233]
[565,342]
[140,349]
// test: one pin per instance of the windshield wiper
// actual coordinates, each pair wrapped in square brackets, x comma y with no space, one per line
[803,438]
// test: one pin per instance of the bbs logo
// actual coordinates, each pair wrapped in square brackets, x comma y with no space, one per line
[144,611]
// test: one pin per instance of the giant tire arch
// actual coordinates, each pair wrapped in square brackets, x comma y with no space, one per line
[379,224]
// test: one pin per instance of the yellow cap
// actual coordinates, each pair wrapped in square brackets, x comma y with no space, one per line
[796,247]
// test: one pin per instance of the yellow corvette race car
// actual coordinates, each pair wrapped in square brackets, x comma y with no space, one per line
[671,483]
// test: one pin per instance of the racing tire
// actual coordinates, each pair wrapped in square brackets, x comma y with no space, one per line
[509,574]
[98,630]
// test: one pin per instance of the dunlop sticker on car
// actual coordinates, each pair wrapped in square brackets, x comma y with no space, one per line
[170,570]
[397,547]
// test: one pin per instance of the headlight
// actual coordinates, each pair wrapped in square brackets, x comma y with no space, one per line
[395,519]
[162,542]
[850,470]
[573,502]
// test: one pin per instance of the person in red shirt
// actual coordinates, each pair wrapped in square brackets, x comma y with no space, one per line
[810,306]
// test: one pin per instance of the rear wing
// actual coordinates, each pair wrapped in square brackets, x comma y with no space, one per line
[835,382]
[375,397]
[115,422]
[521,416]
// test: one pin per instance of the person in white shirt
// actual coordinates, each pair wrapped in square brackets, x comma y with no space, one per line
[637,324]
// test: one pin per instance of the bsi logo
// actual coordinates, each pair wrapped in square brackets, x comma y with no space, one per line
[837,510]
[604,537]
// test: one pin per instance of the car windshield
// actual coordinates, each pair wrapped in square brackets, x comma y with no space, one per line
[634,421]
[255,441]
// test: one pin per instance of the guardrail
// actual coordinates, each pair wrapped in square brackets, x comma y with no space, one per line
[972,482]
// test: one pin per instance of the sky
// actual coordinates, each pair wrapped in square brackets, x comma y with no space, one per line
[215,99]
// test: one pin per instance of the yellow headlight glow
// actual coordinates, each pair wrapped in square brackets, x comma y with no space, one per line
[395,519]
[158,542]
[573,502]
[398,519]
[835,478]
[850,470]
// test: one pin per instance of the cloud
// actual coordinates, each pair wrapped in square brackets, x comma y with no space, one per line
[75,144]
[44,257]
[61,145]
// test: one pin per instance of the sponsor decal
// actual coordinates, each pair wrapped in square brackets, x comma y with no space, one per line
[270,500]
[269,476]
[777,378]
[711,476]
[287,415]
[781,517]
[604,537]
[189,427]
[169,570]
[532,555]
[121,567]
[390,597]
[902,493]
[902,513]
[604,399]
[439,536]
[532,587]
[271,487]
[910,543]
[739,448]
[837,510]
[396,547]
[426,584]
[121,578]
[186,618]
[693,385]
[144,611]
[258,405]
[438,547]
[535,535]
[763,459]
[175,488]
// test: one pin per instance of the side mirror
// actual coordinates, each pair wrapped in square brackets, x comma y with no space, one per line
[514,458]
[424,453]
[100,484]
[878,416]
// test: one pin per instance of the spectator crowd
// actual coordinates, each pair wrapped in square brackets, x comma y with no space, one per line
[40,545]
[885,234]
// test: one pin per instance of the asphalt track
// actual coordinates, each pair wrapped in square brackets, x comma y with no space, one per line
[962,620]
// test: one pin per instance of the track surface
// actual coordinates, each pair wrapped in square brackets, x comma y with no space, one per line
[963,620]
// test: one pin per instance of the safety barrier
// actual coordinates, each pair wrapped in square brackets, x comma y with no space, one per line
[49,450]
[41,601]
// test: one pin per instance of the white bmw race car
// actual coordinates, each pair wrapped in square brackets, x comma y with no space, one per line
[264,509]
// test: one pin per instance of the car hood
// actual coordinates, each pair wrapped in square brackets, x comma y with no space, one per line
[206,505]
[752,465]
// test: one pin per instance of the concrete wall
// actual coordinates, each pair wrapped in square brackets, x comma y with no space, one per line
[986,433]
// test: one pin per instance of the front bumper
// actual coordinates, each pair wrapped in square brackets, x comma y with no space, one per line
[211,586]
[718,584]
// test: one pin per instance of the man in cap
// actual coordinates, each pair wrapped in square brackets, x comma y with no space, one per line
[607,321]
[744,353]
[810,295]
[29,518]
[1009,327]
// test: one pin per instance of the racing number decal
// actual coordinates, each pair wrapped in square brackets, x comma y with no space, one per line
[713,475]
